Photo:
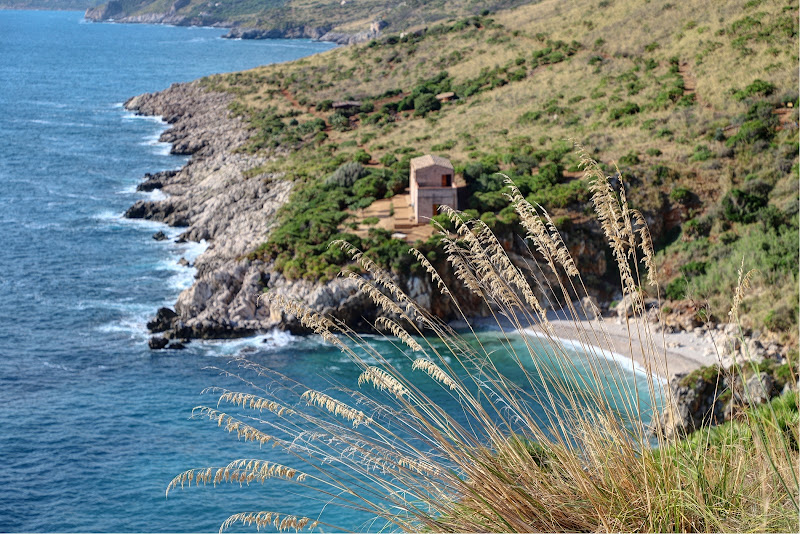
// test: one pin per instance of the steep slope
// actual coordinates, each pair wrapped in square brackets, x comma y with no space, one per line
[696,103]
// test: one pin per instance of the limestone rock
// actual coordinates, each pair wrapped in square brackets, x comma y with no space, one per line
[692,406]
[157,342]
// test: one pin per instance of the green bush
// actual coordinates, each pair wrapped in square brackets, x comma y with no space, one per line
[681,195]
[676,289]
[347,174]
[628,108]
[758,87]
[371,186]
[741,206]
[361,156]
[339,121]
[426,103]
[630,159]
[701,153]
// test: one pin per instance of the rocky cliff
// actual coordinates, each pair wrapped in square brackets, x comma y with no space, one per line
[215,199]
[117,11]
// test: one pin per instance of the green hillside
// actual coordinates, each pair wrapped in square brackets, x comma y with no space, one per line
[695,102]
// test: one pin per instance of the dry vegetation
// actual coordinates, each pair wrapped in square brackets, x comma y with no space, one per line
[484,459]
[690,101]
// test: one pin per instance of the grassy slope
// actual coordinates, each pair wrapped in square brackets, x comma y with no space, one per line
[652,86]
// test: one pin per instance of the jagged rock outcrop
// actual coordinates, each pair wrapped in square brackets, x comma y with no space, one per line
[217,200]
[117,11]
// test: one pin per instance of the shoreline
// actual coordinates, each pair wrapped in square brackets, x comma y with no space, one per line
[221,303]
[674,353]
[671,353]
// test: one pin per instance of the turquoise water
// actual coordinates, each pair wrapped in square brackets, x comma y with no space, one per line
[93,424]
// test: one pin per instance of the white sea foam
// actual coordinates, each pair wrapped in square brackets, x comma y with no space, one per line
[134,327]
[625,363]
[160,148]
[110,218]
[273,340]
[131,116]
[155,195]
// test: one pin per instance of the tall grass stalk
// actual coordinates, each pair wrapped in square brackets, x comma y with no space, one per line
[556,450]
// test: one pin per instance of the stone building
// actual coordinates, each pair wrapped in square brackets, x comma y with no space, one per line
[431,184]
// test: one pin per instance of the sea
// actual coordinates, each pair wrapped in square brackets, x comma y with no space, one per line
[93,424]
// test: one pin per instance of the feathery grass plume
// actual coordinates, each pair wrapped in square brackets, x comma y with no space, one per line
[430,269]
[382,278]
[435,372]
[269,519]
[562,252]
[507,270]
[742,285]
[233,425]
[386,304]
[254,402]
[239,471]
[646,246]
[383,381]
[336,407]
[319,324]
[399,333]
[537,231]
[537,437]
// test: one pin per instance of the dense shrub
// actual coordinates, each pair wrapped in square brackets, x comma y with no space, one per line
[426,103]
[676,289]
[741,206]
[758,87]
[628,108]
[347,174]
[361,156]
[339,121]
[682,195]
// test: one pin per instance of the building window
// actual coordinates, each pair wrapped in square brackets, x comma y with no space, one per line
[447,180]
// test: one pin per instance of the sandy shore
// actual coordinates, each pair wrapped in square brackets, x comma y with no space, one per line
[664,354]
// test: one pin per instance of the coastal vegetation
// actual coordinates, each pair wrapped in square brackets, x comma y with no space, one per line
[558,447]
[694,109]
[298,18]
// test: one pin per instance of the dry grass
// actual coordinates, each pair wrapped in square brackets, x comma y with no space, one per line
[588,464]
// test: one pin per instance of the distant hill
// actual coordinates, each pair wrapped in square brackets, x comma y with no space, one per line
[62,5]
[341,20]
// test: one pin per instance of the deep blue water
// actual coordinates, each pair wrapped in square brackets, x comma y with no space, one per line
[93,425]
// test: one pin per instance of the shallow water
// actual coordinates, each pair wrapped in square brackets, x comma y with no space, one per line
[94,425]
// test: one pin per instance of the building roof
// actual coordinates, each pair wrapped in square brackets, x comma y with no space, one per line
[429,161]
[346,104]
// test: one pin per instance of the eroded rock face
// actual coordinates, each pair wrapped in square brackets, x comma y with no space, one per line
[693,405]
[217,200]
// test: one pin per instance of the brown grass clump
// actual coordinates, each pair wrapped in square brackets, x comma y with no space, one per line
[589,464]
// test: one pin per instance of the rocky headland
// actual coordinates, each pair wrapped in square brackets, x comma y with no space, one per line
[216,200]
[115,11]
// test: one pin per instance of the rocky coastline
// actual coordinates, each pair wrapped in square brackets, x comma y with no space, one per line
[113,12]
[215,199]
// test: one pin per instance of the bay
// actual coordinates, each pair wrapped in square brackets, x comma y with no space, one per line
[94,425]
